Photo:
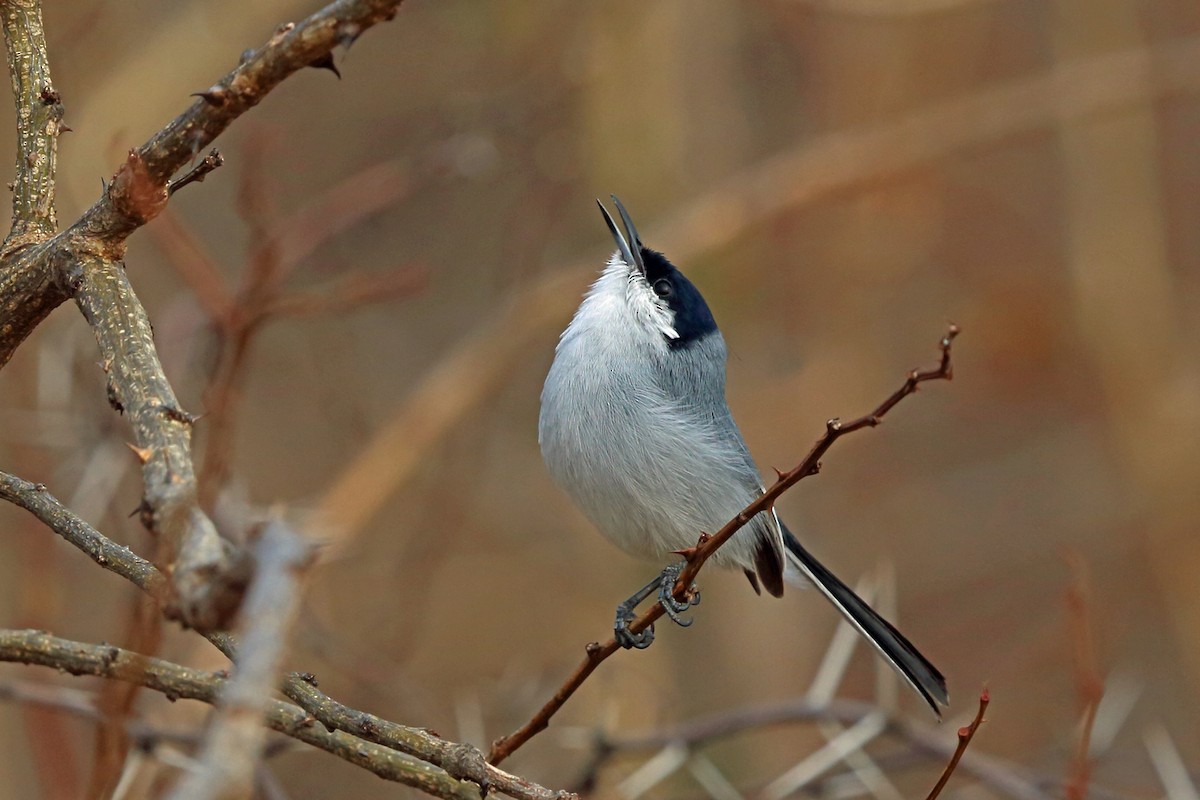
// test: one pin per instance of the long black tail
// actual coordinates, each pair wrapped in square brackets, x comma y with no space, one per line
[891,644]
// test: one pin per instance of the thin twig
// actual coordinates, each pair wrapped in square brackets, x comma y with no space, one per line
[965,735]
[33,282]
[462,761]
[198,173]
[175,681]
[696,556]
[119,559]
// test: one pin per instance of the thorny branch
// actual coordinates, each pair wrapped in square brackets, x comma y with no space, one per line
[207,574]
[39,122]
[178,682]
[597,653]
[463,762]
[198,173]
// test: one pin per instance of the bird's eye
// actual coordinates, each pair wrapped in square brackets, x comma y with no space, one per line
[662,287]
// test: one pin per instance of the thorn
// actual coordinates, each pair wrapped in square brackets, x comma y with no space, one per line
[215,95]
[49,96]
[64,128]
[143,453]
[779,474]
[326,62]
[689,553]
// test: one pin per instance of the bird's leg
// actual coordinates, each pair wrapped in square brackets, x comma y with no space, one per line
[665,584]
[666,594]
[626,615]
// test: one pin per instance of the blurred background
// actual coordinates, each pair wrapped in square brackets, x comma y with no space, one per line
[841,178]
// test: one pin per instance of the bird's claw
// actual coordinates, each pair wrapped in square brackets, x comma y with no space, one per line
[666,596]
[627,638]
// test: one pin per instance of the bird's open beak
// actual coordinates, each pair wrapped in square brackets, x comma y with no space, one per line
[631,255]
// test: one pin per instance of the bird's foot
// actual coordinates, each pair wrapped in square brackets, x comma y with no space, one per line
[625,637]
[666,595]
[664,583]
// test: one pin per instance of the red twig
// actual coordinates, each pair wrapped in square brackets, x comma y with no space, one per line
[964,738]
[262,296]
[505,746]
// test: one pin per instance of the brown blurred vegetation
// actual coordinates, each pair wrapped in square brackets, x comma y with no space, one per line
[844,176]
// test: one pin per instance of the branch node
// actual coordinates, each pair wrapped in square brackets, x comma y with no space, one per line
[283,30]
[348,33]
[179,415]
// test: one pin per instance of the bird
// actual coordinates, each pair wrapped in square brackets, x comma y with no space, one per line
[634,426]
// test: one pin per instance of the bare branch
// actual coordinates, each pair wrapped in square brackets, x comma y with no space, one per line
[696,556]
[292,48]
[965,735]
[198,173]
[208,574]
[32,285]
[236,736]
[39,122]
[460,760]
[175,681]
[37,500]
